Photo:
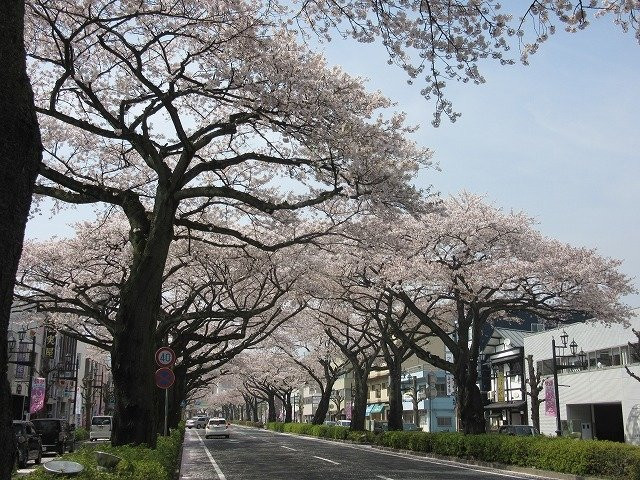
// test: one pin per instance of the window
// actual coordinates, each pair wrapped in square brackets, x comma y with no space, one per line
[443,421]
[603,358]
[615,356]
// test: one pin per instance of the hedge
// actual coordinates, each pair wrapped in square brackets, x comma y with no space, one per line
[565,455]
[248,424]
[138,462]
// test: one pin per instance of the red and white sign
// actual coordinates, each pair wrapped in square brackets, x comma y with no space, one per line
[165,357]
[164,377]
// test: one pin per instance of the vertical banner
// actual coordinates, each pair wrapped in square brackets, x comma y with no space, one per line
[549,398]
[37,395]
[49,343]
[347,410]
[500,386]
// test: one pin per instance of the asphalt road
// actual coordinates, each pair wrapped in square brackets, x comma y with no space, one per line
[261,454]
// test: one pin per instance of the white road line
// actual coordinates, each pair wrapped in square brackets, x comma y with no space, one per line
[213,462]
[383,478]
[288,448]
[326,460]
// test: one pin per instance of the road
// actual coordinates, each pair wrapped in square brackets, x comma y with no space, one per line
[252,454]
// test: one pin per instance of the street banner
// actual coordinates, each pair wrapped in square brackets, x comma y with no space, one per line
[37,395]
[49,343]
[549,398]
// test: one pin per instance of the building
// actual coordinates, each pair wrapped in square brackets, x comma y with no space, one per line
[597,397]
[505,361]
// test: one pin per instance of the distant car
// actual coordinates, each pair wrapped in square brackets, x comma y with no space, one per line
[29,443]
[331,423]
[217,427]
[190,423]
[344,423]
[197,422]
[57,434]
[526,430]
[410,427]
[100,427]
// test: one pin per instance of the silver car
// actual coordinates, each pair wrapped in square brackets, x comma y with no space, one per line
[217,427]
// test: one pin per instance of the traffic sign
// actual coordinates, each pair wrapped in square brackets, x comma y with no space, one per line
[164,377]
[165,357]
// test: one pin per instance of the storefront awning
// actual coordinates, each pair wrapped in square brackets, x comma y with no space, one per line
[514,404]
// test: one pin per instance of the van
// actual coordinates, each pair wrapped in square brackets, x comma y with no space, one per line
[100,427]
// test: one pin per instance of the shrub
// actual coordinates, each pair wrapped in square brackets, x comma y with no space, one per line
[138,462]
[81,434]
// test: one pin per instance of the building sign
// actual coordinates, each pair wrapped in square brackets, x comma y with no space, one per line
[500,386]
[21,356]
[37,395]
[549,398]
[49,343]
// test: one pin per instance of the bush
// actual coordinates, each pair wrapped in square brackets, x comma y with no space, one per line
[81,434]
[247,423]
[138,462]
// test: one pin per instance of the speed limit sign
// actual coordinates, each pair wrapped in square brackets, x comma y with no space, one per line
[165,357]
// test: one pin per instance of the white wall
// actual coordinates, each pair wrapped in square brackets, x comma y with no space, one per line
[605,385]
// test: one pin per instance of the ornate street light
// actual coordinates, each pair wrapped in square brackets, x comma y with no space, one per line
[573,346]
[12,343]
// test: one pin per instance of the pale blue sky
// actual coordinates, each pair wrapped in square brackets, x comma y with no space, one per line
[559,139]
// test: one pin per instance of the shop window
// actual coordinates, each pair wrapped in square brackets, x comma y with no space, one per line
[615,356]
[593,363]
[603,358]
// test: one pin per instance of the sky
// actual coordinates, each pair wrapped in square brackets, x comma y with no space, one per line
[558,139]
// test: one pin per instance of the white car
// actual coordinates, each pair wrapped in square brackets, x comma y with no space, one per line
[196,422]
[217,427]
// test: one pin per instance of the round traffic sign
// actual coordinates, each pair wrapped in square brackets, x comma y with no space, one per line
[165,357]
[164,377]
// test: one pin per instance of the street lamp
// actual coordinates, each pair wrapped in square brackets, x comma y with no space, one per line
[573,346]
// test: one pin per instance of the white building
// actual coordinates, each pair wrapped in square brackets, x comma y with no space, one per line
[597,397]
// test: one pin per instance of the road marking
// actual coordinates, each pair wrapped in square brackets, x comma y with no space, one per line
[213,462]
[384,478]
[288,448]
[326,460]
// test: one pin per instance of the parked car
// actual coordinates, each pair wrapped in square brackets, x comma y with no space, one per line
[100,427]
[526,430]
[29,443]
[217,427]
[57,434]
[343,423]
[330,423]
[410,427]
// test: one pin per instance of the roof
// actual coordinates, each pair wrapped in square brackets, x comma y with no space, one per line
[506,405]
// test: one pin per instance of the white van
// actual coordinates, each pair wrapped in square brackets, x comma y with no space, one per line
[100,428]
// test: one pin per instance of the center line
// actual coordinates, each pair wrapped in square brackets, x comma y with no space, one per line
[384,478]
[326,460]
[289,448]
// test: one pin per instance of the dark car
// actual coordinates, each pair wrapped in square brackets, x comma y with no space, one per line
[526,430]
[28,442]
[57,435]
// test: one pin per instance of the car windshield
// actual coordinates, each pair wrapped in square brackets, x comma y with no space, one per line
[101,421]
[219,421]
[46,425]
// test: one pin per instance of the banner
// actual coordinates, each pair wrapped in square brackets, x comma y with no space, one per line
[37,395]
[500,386]
[49,343]
[549,398]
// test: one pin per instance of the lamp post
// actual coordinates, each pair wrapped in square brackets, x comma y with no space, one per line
[573,346]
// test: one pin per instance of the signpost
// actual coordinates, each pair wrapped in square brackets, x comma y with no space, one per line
[165,378]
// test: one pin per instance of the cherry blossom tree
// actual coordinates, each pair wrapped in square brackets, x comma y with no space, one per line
[470,263]
[196,121]
[213,305]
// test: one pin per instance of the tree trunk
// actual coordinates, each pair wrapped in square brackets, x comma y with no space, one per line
[177,394]
[358,413]
[254,413]
[535,388]
[20,157]
[470,407]
[394,415]
[271,402]
[320,414]
[288,408]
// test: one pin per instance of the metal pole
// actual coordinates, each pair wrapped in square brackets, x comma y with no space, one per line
[32,361]
[555,387]
[166,411]
[75,391]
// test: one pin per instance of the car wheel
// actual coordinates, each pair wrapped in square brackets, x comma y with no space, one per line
[39,457]
[22,460]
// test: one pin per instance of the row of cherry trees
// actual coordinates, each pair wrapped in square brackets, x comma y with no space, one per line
[220,152]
